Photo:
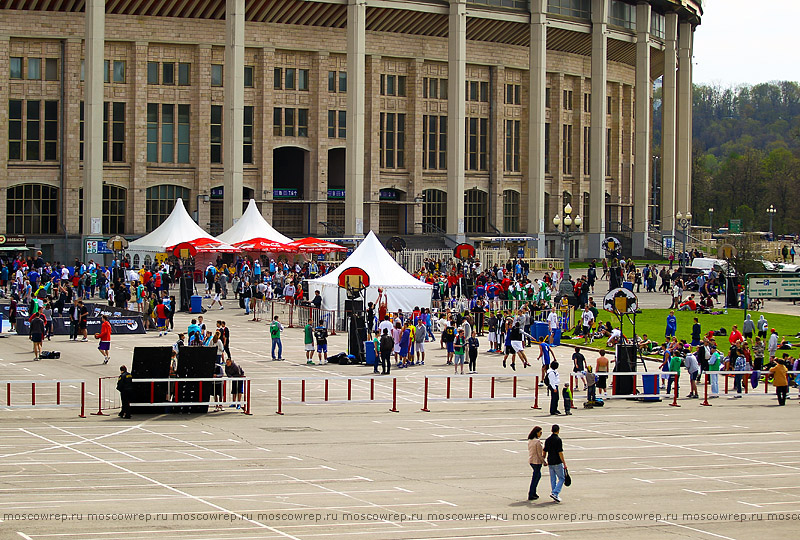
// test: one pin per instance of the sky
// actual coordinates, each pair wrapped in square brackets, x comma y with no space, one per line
[747,42]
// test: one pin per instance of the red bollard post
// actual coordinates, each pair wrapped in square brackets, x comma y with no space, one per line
[766,383]
[613,385]
[247,404]
[536,393]
[33,393]
[83,400]
[726,383]
[326,389]
[152,391]
[746,384]
[425,397]
[58,393]
[176,392]
[303,391]
[394,394]
[349,389]
[492,391]
[448,387]
[705,393]
[675,396]
[371,389]
[279,411]
[200,391]
[515,387]
[470,388]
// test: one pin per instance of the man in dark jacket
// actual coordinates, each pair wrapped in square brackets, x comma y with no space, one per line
[386,346]
[125,387]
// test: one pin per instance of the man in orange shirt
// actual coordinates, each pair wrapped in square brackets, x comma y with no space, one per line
[780,380]
[105,338]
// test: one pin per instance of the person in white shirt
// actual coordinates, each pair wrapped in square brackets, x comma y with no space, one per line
[552,322]
[693,367]
[553,381]
[587,319]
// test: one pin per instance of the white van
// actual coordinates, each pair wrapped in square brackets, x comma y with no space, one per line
[706,264]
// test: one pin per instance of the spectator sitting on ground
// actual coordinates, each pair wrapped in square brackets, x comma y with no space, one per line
[688,305]
[645,344]
[785,345]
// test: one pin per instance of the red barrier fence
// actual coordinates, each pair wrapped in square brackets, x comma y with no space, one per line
[317,390]
[477,391]
[46,394]
[108,396]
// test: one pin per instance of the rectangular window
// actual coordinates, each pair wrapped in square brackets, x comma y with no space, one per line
[337,124]
[512,145]
[331,81]
[34,68]
[434,142]
[401,85]
[337,81]
[168,73]
[484,97]
[608,152]
[184,129]
[105,130]
[247,135]
[567,100]
[547,98]
[608,105]
[152,73]
[83,69]
[302,122]
[51,69]
[331,124]
[249,77]
[288,122]
[277,120]
[152,132]
[118,132]
[587,150]
[513,94]
[15,67]
[288,81]
[106,71]
[32,136]
[119,71]
[342,81]
[392,139]
[566,149]
[477,131]
[80,133]
[15,129]
[167,133]
[443,88]
[342,124]
[184,74]
[216,75]
[277,78]
[547,148]
[302,79]
[216,134]
[587,102]
[51,130]
[393,85]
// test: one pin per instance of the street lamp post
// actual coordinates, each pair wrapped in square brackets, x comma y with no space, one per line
[771,212]
[566,233]
[711,219]
[684,221]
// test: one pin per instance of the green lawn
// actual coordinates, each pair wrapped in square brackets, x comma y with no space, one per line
[653,322]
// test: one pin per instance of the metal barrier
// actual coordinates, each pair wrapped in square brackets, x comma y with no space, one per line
[365,390]
[300,315]
[53,401]
[471,390]
[109,398]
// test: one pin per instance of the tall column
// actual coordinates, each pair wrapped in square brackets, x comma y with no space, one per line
[4,67]
[537,84]
[668,128]
[266,142]
[597,179]
[416,110]
[233,112]
[456,114]
[137,148]
[201,138]
[497,147]
[95,20]
[641,171]
[683,173]
[354,155]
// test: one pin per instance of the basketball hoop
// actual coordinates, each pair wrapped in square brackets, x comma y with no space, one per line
[354,280]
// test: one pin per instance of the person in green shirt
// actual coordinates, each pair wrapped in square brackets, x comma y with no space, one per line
[275,329]
[714,364]
[675,368]
[308,340]
[458,350]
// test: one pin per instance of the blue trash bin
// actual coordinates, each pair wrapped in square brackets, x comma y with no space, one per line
[540,330]
[196,303]
[650,385]
[369,350]
[557,337]
[627,285]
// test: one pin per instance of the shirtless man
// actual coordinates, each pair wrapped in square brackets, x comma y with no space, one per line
[601,367]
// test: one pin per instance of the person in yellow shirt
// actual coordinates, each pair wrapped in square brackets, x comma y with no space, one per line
[411,342]
[780,380]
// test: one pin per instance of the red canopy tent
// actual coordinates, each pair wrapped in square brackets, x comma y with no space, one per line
[315,245]
[209,245]
[265,245]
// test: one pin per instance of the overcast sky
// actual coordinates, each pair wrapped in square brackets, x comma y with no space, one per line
[742,41]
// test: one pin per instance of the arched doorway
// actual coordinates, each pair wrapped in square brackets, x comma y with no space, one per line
[476,210]
[290,177]
[434,210]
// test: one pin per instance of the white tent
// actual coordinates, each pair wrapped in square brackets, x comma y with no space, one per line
[177,228]
[403,290]
[252,225]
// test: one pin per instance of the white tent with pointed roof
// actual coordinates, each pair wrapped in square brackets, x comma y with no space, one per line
[252,225]
[403,290]
[178,227]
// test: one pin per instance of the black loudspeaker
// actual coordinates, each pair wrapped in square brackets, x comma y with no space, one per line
[187,290]
[626,363]
[195,363]
[356,336]
[150,363]
[353,305]
[731,294]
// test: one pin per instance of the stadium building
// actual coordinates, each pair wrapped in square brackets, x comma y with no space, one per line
[430,117]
